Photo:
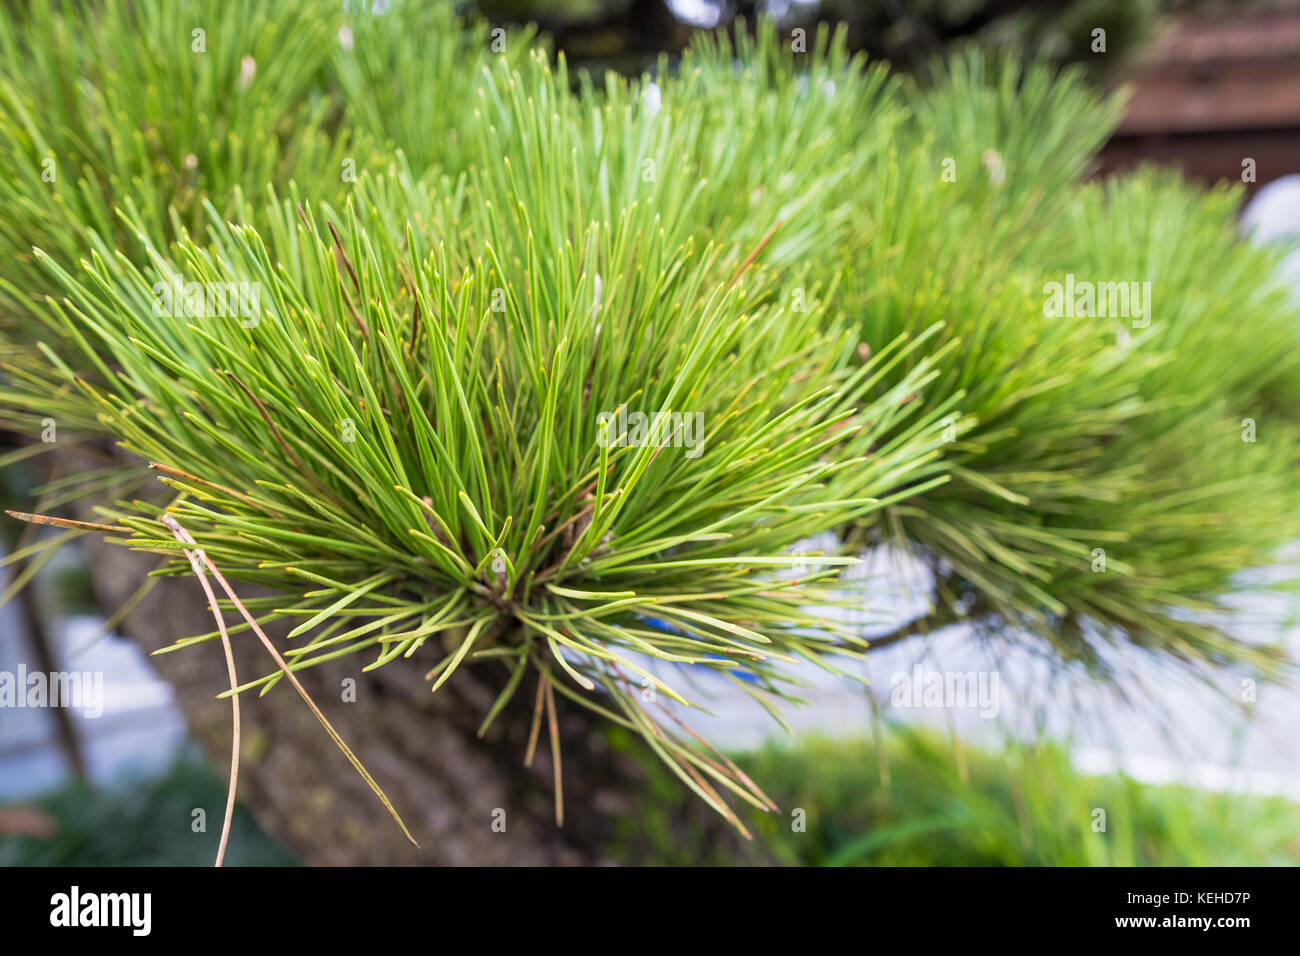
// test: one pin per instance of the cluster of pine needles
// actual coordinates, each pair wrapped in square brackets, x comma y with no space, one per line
[456,262]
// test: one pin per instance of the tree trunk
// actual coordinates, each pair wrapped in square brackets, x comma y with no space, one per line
[420,747]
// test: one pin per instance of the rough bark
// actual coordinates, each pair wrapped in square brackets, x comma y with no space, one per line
[421,748]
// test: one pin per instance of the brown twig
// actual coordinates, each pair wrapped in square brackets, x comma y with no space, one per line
[753,255]
[266,417]
[555,753]
[302,692]
[542,678]
[338,244]
[66,522]
[186,476]
[184,538]
[417,315]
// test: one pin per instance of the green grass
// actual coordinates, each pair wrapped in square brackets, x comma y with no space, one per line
[911,804]
[144,824]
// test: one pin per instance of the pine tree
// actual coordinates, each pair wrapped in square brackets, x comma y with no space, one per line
[447,357]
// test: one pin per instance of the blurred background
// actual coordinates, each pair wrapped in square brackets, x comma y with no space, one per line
[1213,81]
[1187,772]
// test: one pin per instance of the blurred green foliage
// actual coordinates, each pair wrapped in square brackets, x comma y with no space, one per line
[920,800]
[144,824]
